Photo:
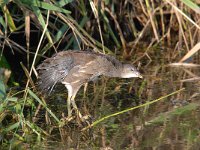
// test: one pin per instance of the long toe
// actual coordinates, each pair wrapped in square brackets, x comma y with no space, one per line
[66,120]
[86,120]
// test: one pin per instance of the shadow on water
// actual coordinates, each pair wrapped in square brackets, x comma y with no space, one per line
[173,123]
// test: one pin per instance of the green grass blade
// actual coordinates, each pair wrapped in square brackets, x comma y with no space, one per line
[132,108]
[2,22]
[48,6]
[192,5]
[61,32]
[10,21]
[62,3]
[13,126]
[73,40]
[2,91]
[44,105]
[42,22]
[179,111]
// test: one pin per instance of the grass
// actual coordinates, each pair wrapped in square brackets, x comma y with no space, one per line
[141,31]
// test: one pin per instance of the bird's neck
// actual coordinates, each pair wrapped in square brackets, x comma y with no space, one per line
[114,72]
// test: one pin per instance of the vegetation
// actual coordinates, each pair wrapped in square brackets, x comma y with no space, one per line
[150,34]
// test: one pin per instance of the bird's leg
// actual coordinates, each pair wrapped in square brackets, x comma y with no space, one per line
[75,106]
[69,106]
[84,90]
[70,94]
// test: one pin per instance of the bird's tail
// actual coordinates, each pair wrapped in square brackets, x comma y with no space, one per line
[49,75]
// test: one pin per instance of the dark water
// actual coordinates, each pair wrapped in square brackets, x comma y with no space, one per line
[172,123]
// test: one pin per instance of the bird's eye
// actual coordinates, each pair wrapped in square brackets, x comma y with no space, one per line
[132,69]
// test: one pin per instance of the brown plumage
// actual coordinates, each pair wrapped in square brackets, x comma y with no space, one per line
[75,68]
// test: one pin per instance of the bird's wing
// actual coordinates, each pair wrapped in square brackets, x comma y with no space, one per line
[91,70]
[52,71]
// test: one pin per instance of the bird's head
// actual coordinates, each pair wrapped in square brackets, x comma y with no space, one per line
[129,71]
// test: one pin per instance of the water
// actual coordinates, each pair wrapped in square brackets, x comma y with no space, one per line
[173,123]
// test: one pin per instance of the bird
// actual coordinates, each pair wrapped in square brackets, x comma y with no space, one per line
[74,68]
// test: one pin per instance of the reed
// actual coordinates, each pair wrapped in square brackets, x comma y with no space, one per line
[137,31]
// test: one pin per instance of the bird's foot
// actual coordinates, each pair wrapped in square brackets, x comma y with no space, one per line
[84,120]
[65,120]
[87,120]
[77,118]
